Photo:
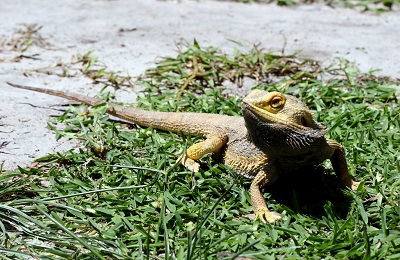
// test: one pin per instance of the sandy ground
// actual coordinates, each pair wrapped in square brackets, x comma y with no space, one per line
[128,36]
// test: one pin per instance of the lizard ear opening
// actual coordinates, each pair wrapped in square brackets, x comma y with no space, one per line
[304,121]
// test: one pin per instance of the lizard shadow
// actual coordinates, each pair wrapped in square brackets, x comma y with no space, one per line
[308,190]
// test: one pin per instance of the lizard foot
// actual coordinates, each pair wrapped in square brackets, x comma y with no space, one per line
[190,164]
[265,215]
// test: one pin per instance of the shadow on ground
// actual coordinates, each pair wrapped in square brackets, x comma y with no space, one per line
[308,190]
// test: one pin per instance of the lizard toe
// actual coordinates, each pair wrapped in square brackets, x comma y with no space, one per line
[267,216]
[190,164]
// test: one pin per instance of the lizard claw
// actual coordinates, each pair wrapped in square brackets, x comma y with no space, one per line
[354,185]
[190,164]
[265,215]
[349,183]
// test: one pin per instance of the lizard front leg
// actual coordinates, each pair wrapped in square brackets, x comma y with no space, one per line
[339,165]
[257,198]
[196,151]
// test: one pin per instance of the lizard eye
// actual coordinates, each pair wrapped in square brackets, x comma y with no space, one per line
[277,102]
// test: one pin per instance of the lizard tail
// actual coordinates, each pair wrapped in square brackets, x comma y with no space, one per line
[64,94]
[170,121]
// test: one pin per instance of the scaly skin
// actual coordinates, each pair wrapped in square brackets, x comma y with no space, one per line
[276,134]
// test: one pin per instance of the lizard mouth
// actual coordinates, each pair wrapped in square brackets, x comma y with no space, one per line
[263,115]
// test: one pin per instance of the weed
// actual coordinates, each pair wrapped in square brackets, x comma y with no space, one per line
[100,74]
[378,6]
[23,39]
[196,68]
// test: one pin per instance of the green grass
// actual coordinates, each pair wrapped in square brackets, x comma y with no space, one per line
[378,6]
[123,195]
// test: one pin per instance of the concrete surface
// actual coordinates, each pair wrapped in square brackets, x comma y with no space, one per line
[129,36]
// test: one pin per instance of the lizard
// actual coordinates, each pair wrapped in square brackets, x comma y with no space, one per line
[276,134]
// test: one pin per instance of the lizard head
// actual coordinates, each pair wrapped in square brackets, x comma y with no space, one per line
[278,121]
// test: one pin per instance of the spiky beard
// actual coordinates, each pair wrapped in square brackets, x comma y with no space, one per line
[275,138]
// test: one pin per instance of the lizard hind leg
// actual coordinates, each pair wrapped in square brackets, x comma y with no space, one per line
[257,198]
[196,151]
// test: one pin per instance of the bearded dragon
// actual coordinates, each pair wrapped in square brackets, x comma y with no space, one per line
[275,135]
